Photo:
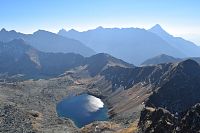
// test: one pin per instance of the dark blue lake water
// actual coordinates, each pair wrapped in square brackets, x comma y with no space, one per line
[82,109]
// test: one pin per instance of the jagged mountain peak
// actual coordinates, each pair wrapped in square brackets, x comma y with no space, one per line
[72,30]
[62,30]
[157,26]
[3,30]
[41,32]
[160,59]
[188,62]
[163,55]
[157,29]
[183,69]
[188,48]
[99,62]
[99,27]
[110,60]
[101,55]
[189,66]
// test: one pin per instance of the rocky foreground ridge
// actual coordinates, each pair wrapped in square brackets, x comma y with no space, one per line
[159,120]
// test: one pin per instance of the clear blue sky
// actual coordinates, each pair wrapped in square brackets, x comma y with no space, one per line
[178,17]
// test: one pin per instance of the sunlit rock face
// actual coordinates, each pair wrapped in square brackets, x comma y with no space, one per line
[82,109]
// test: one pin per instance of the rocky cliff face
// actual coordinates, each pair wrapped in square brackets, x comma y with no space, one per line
[159,120]
[190,122]
[174,106]
[128,77]
[181,88]
[170,89]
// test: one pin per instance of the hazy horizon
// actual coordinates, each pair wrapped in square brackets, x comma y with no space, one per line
[193,38]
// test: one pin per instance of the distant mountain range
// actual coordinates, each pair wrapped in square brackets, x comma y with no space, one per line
[133,44]
[48,42]
[188,48]
[17,57]
[163,58]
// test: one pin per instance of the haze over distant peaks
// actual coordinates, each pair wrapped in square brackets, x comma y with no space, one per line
[48,42]
[163,58]
[159,31]
[133,45]
[188,48]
